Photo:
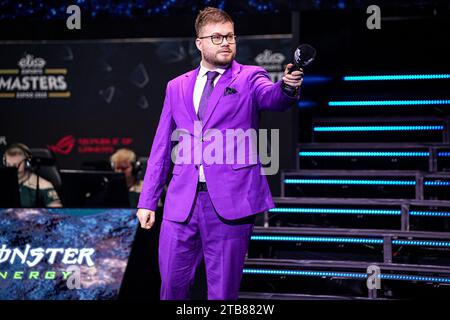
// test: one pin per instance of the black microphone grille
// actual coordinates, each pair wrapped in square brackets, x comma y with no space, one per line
[304,55]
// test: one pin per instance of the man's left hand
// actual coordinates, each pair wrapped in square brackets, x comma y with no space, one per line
[293,79]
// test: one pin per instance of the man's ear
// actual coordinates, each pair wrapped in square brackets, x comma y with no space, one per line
[198,43]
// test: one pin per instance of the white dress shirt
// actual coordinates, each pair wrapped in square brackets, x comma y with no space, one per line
[200,83]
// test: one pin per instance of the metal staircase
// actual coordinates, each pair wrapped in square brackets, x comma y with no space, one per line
[370,190]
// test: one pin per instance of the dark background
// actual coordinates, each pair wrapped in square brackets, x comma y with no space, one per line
[413,39]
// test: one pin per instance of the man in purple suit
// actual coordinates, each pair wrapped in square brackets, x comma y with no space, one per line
[210,206]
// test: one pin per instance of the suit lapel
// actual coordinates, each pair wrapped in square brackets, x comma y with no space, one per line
[188,93]
[224,81]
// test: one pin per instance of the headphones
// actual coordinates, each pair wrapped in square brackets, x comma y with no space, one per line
[24,149]
[136,165]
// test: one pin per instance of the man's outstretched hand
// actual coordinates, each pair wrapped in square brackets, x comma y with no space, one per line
[293,79]
[146,218]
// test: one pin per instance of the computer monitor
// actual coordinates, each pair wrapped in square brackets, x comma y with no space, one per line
[9,188]
[98,165]
[84,189]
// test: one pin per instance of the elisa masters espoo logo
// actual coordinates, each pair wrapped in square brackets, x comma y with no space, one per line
[33,80]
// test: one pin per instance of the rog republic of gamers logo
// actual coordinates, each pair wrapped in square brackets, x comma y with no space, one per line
[102,145]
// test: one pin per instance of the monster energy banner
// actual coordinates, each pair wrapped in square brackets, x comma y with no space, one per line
[70,254]
[85,99]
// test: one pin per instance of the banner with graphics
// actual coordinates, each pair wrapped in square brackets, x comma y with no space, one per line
[85,99]
[64,254]
[33,80]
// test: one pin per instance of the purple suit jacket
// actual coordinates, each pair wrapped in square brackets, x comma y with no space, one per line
[236,190]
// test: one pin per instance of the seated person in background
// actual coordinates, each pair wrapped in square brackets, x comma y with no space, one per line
[125,160]
[19,155]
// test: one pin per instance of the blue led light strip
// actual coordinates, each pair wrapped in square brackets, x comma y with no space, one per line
[357,211]
[356,275]
[421,243]
[306,273]
[443,154]
[335,211]
[429,243]
[362,154]
[387,103]
[397,77]
[437,183]
[413,278]
[316,239]
[346,181]
[378,128]
[306,103]
[313,79]
[429,213]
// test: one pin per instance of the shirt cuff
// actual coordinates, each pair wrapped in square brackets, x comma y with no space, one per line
[289,92]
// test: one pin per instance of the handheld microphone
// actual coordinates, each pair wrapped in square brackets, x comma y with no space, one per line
[303,56]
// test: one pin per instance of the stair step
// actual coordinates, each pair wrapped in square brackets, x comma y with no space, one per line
[348,265]
[352,232]
[412,247]
[344,279]
[293,296]
[385,129]
[396,214]
[365,184]
[373,156]
[388,246]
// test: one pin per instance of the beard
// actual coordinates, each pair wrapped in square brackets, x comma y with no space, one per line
[217,59]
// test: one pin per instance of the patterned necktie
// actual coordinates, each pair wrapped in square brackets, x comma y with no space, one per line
[207,90]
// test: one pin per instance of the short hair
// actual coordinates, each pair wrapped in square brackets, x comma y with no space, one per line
[17,148]
[123,154]
[210,15]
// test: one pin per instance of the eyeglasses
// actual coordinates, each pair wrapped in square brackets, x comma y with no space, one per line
[218,38]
